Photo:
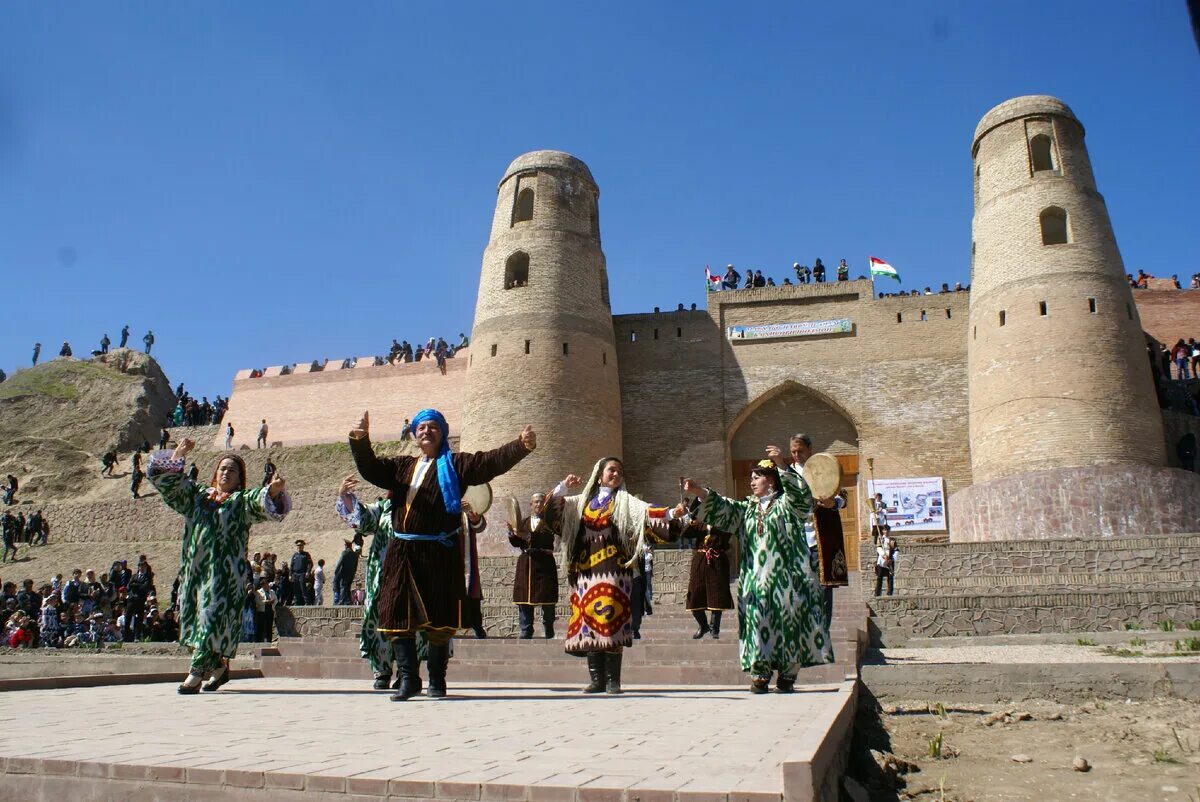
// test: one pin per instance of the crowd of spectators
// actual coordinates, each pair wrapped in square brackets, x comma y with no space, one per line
[190,412]
[436,348]
[105,343]
[817,274]
[122,605]
[1142,280]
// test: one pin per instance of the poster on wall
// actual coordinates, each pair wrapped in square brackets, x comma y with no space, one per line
[807,328]
[913,505]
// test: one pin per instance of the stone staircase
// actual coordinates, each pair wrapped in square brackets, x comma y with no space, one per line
[666,654]
[1025,587]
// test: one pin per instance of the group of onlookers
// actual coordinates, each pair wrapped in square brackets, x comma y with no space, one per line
[17,530]
[119,605]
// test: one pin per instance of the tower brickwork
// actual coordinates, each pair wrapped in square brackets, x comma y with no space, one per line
[542,349]
[1062,407]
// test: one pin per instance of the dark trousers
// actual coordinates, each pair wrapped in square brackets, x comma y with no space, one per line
[639,604]
[525,617]
[264,624]
[298,595]
[474,609]
[135,609]
[880,573]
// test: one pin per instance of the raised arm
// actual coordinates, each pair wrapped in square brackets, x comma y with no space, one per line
[379,472]
[717,510]
[165,472]
[484,466]
[270,503]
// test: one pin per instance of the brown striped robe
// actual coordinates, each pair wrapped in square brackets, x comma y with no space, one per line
[422,584]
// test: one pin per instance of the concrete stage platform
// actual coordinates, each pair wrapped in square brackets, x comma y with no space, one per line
[339,741]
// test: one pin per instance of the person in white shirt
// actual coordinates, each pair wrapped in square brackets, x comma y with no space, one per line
[885,563]
[319,583]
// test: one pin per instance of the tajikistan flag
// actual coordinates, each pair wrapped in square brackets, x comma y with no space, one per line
[714,282]
[882,268]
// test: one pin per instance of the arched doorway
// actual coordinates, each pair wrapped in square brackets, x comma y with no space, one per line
[791,408]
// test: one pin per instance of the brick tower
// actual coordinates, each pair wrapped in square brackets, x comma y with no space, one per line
[542,349]
[1066,435]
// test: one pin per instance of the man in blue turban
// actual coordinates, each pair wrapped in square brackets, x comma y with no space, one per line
[422,584]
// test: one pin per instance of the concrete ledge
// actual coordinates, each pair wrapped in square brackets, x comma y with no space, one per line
[99,680]
[813,771]
[977,682]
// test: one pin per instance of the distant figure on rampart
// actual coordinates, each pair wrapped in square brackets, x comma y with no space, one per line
[37,350]
[65,350]
[104,343]
[149,341]
[124,336]
[228,436]
[261,442]
[818,272]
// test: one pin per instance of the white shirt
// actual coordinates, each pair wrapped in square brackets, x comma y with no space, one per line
[418,477]
[810,526]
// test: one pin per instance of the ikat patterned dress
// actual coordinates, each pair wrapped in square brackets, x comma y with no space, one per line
[780,602]
[211,592]
[376,520]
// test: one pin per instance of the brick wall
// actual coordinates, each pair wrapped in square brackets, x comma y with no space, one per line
[303,408]
[1168,315]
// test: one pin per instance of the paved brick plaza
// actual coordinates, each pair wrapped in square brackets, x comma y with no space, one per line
[336,739]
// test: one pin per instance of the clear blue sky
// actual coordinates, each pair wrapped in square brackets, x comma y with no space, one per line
[265,183]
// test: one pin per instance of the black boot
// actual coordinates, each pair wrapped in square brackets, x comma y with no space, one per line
[548,621]
[406,666]
[613,664]
[702,621]
[382,681]
[716,624]
[439,656]
[596,671]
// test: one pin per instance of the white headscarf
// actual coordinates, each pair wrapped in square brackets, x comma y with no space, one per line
[629,517]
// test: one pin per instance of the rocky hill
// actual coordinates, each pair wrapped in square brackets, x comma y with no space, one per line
[58,418]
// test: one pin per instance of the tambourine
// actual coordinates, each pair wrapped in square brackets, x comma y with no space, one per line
[479,497]
[823,473]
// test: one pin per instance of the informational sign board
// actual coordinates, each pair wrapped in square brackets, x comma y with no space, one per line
[807,328]
[913,505]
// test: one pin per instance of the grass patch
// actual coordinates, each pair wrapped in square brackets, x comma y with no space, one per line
[1166,625]
[935,746]
[1085,641]
[1123,652]
[1194,626]
[1136,641]
[1188,645]
[1161,755]
[59,379]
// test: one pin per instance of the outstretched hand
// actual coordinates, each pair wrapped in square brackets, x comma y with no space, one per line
[181,450]
[276,487]
[528,438]
[349,485]
[689,486]
[572,482]
[776,456]
[362,428]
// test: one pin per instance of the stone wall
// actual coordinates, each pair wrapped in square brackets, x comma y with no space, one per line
[1168,315]
[1101,501]
[899,617]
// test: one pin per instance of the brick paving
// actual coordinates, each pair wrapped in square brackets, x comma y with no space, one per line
[486,742]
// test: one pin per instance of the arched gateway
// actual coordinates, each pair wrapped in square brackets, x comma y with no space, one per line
[773,417]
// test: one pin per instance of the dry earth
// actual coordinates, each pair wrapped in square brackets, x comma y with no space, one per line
[1136,751]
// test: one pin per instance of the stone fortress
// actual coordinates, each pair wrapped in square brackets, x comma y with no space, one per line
[1031,395]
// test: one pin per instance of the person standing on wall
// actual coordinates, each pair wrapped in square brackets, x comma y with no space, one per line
[261,441]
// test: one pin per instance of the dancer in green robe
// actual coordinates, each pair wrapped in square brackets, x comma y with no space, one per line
[781,625]
[370,519]
[217,525]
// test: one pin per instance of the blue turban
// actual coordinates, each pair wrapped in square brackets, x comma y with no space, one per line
[447,476]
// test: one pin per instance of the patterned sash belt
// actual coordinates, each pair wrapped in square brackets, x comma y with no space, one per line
[444,539]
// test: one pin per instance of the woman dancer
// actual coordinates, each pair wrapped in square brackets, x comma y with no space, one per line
[217,526]
[781,623]
[604,531]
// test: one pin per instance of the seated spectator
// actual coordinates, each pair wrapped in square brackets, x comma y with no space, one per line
[51,634]
[21,629]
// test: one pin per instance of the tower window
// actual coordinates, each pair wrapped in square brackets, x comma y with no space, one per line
[1042,308]
[1054,226]
[524,208]
[899,317]
[564,349]
[947,314]
[974,332]
[1092,305]
[604,357]
[1041,148]
[527,346]
[656,334]
[678,332]
[493,349]
[633,336]
[516,270]
[1129,311]
[1002,317]
[923,315]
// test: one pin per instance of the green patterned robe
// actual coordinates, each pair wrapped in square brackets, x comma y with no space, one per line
[780,603]
[211,595]
[372,519]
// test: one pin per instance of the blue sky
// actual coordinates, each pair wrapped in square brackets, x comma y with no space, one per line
[268,183]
